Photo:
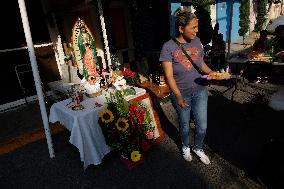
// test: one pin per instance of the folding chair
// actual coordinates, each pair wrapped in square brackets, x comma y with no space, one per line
[26,81]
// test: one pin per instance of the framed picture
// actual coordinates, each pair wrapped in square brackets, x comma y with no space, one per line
[147,101]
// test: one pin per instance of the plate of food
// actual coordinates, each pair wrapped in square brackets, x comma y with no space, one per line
[217,76]
[257,56]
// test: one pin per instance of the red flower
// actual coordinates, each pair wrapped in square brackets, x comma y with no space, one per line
[141,116]
[149,135]
[132,109]
[142,112]
[128,73]
[131,119]
[132,74]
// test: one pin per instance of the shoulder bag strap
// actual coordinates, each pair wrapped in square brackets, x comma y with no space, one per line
[188,57]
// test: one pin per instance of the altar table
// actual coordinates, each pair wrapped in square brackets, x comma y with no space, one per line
[86,133]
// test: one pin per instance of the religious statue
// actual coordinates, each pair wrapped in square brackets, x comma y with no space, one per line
[86,55]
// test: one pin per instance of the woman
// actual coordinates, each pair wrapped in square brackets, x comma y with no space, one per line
[180,73]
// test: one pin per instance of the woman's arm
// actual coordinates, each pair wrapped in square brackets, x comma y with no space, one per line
[168,70]
[205,68]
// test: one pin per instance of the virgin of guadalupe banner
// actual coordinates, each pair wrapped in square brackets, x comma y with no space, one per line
[85,52]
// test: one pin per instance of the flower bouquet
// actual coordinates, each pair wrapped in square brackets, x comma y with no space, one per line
[127,127]
[131,77]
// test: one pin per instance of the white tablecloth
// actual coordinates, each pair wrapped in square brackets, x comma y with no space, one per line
[86,133]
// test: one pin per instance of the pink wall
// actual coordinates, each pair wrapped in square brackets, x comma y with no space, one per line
[252,16]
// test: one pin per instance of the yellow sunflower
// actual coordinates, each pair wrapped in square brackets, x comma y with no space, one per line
[135,156]
[122,124]
[106,116]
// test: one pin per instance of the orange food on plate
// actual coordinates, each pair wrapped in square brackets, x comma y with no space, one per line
[219,76]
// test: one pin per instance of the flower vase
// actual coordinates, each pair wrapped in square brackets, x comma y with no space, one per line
[130,164]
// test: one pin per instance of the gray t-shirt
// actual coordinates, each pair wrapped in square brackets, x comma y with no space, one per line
[184,73]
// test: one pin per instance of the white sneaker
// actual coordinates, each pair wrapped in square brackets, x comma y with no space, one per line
[186,153]
[258,80]
[203,157]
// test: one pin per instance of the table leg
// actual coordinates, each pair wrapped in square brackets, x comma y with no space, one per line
[236,88]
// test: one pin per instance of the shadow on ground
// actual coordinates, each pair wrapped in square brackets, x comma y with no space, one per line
[248,136]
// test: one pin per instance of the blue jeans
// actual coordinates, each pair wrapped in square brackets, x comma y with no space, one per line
[198,105]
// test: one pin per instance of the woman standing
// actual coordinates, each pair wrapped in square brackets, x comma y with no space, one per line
[181,75]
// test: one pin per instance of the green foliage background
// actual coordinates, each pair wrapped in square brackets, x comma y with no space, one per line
[261,15]
[205,29]
[244,17]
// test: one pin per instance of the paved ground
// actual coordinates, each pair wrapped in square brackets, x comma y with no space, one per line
[241,137]
[30,167]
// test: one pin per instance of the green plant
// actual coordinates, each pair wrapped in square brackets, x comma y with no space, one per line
[205,29]
[261,15]
[244,18]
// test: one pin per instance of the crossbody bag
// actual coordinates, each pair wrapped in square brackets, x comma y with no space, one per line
[188,57]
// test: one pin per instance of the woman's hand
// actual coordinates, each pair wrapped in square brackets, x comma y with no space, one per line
[182,103]
[212,73]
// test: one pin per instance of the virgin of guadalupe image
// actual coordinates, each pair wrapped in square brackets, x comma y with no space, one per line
[85,52]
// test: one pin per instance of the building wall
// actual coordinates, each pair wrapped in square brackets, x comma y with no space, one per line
[276,10]
[13,51]
[213,14]
[174,8]
[252,16]
[235,21]
[223,9]
[117,18]
[220,12]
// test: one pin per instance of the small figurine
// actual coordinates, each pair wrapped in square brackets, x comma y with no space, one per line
[120,83]
[91,88]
